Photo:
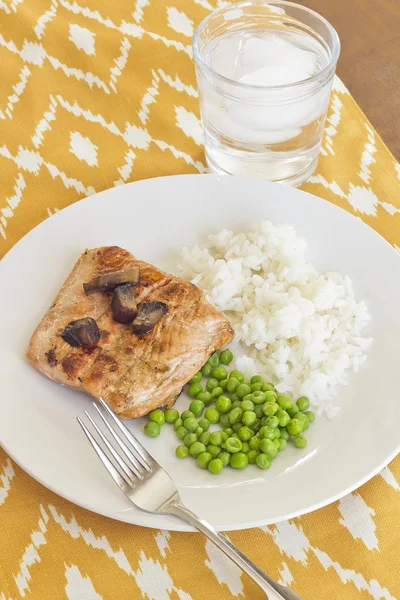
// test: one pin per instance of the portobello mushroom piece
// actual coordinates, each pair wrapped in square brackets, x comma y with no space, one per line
[82,332]
[123,304]
[148,315]
[109,281]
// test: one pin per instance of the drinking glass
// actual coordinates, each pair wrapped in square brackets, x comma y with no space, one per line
[264,72]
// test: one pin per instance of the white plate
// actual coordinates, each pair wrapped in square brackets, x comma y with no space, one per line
[153,219]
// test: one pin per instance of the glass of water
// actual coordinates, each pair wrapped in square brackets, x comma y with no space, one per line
[264,71]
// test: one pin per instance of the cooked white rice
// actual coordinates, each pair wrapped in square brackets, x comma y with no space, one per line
[302,329]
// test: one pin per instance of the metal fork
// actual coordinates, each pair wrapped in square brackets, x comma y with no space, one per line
[151,489]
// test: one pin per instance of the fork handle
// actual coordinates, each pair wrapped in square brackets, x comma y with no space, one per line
[273,589]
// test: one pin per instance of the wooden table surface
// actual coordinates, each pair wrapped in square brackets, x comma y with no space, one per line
[369,64]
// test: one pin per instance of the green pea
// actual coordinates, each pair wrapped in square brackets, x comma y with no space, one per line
[292,411]
[277,433]
[225,457]
[199,431]
[245,433]
[196,449]
[187,414]
[228,431]
[245,447]
[219,373]
[171,415]
[223,404]
[284,401]
[275,451]
[236,427]
[211,384]
[257,425]
[158,416]
[205,438]
[254,443]
[235,416]
[258,409]
[203,460]
[236,403]
[272,422]
[249,418]
[194,389]
[223,384]
[204,424]
[284,433]
[217,392]
[264,421]
[237,375]
[197,377]
[256,387]
[258,397]
[267,447]
[206,370]
[294,427]
[214,360]
[216,438]
[246,403]
[277,444]
[271,395]
[205,398]
[283,417]
[190,424]
[243,390]
[182,452]
[215,466]
[257,379]
[214,450]
[310,416]
[178,423]
[252,455]
[282,444]
[181,432]
[152,429]
[189,439]
[224,436]
[263,461]
[196,407]
[300,441]
[232,384]
[233,445]
[235,398]
[267,433]
[235,435]
[224,420]
[270,408]
[268,387]
[212,415]
[239,460]
[303,403]
[304,419]
[226,357]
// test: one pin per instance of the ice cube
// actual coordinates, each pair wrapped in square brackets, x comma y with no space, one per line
[283,109]
[276,75]
[225,58]
[274,50]
[220,119]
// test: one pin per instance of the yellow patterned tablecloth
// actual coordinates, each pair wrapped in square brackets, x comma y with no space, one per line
[96,93]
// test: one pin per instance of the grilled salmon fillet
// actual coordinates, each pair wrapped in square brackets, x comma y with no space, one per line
[133,374]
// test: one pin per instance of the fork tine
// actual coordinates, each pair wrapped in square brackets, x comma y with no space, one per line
[145,458]
[120,462]
[112,470]
[133,463]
